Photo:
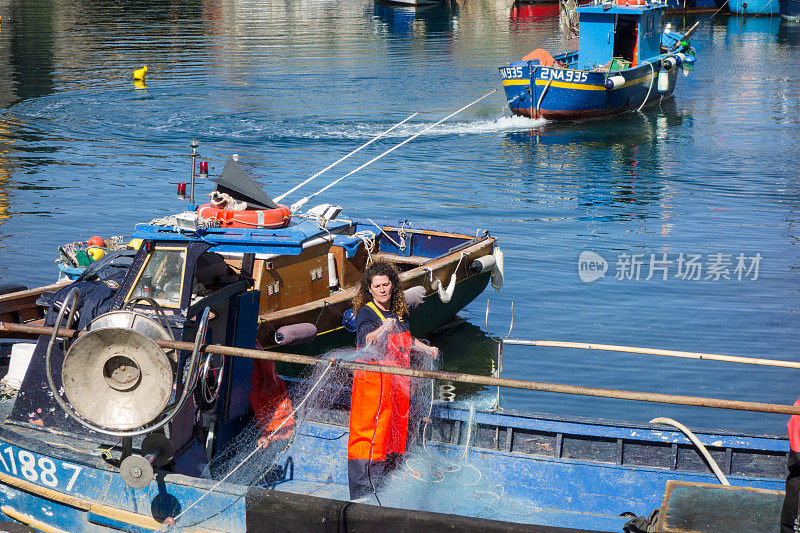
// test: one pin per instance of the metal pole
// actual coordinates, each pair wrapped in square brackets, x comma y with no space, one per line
[194,143]
[451,376]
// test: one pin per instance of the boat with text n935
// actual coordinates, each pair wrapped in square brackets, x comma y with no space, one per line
[626,59]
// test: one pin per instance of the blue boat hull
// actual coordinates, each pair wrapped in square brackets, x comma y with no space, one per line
[565,94]
[517,470]
[790,9]
[754,7]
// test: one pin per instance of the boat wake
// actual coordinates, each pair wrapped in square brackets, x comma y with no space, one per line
[501,124]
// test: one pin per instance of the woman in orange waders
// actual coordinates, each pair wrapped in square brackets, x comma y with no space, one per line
[380,402]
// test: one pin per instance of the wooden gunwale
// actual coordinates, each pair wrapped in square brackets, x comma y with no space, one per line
[407,278]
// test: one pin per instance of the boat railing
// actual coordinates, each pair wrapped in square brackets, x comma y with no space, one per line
[458,377]
[641,396]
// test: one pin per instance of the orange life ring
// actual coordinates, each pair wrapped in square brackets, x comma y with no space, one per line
[249,218]
[630,2]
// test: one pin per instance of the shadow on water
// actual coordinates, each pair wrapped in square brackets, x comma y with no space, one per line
[464,348]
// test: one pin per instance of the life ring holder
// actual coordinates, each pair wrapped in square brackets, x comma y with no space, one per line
[278,217]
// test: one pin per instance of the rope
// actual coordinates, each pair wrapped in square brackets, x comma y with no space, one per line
[541,97]
[400,233]
[257,449]
[305,199]
[699,445]
[368,238]
[171,220]
[652,80]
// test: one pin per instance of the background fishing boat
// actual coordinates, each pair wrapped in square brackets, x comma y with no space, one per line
[624,61]
[790,10]
[754,7]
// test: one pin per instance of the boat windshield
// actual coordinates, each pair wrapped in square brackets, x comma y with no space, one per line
[161,277]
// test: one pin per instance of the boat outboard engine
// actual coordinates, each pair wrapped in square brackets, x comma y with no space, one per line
[118,381]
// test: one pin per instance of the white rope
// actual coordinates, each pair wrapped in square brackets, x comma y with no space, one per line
[469,429]
[171,220]
[290,191]
[401,233]
[297,205]
[699,445]
[652,80]
[257,449]
[368,238]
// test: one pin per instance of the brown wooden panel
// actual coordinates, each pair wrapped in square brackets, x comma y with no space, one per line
[349,270]
[293,273]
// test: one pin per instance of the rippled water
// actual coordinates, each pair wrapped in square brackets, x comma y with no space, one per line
[293,85]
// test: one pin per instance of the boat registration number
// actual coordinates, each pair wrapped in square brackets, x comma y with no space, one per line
[560,74]
[36,468]
[511,73]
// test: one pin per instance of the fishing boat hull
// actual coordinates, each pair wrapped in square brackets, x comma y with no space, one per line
[754,7]
[527,472]
[565,94]
[414,2]
[790,10]
[420,267]
[696,5]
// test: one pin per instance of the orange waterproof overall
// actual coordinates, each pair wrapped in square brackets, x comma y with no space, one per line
[378,414]
[270,401]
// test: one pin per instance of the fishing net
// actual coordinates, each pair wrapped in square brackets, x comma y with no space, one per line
[397,415]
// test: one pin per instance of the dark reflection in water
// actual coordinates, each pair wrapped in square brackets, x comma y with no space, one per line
[31,47]
[408,21]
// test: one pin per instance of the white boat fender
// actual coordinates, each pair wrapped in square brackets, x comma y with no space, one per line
[415,296]
[295,334]
[483,264]
[333,280]
[663,81]
[669,63]
[447,294]
[497,270]
[614,82]
[444,294]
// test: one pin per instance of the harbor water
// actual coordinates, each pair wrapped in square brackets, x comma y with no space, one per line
[692,206]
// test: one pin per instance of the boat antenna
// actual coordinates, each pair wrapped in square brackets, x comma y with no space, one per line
[290,191]
[297,205]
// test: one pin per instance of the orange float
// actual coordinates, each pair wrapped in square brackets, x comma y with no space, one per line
[630,2]
[249,218]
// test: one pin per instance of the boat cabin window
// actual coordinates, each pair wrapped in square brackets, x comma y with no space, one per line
[211,273]
[161,277]
[626,39]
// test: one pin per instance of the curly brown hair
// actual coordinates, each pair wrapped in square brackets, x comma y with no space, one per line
[381,268]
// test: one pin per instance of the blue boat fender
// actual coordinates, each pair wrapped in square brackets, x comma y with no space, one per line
[349,320]
[614,82]
[688,63]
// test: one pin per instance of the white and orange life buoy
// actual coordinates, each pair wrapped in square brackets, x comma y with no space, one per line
[249,218]
[630,2]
